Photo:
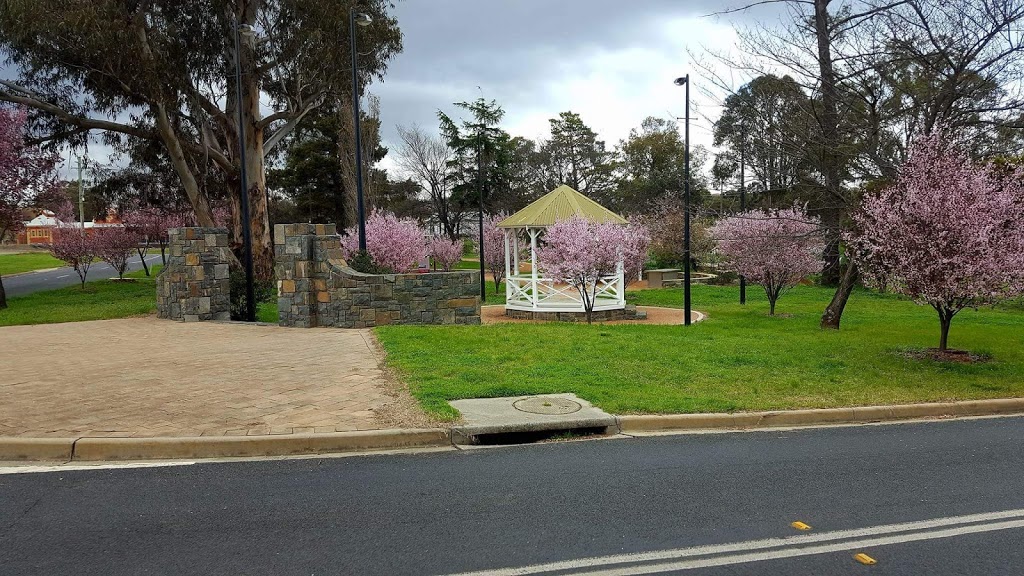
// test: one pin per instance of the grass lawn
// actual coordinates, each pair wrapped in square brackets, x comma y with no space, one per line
[737,359]
[100,300]
[27,262]
[267,312]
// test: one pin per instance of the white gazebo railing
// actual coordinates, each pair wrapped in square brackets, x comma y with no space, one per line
[527,292]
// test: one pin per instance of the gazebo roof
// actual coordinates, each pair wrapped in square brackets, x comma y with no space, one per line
[561,203]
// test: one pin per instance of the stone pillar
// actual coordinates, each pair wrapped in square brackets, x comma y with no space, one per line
[195,285]
[300,251]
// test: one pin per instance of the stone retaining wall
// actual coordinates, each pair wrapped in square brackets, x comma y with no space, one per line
[195,285]
[317,288]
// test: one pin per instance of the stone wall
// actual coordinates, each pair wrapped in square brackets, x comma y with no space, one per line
[317,288]
[195,285]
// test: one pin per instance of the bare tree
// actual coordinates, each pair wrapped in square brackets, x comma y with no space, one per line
[427,159]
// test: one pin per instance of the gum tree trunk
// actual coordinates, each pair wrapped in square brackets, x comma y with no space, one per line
[834,311]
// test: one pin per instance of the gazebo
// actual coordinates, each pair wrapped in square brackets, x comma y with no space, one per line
[533,292]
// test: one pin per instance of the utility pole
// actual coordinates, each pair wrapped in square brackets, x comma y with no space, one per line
[81,195]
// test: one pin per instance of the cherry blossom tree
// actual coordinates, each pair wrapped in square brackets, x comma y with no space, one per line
[114,245]
[394,244]
[28,176]
[582,252]
[445,253]
[638,242]
[494,248]
[949,233]
[774,248]
[76,249]
[150,225]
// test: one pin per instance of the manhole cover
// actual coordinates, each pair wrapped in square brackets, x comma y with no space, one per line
[546,405]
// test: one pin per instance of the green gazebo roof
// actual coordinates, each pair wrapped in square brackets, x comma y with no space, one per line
[560,204]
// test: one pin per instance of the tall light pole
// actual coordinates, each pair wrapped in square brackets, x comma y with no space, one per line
[362,20]
[250,289]
[480,208]
[685,81]
[743,196]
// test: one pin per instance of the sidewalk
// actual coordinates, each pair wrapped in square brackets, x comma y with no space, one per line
[143,377]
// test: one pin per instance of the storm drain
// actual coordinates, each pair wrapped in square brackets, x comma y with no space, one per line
[527,419]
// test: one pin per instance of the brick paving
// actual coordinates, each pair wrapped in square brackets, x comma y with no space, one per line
[147,377]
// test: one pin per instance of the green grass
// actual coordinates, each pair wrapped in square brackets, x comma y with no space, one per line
[737,359]
[267,312]
[27,262]
[101,300]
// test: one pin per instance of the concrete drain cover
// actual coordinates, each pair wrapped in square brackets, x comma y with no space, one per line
[547,405]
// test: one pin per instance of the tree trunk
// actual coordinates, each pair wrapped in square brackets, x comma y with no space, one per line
[834,311]
[142,258]
[771,307]
[3,294]
[830,158]
[945,319]
[831,272]
[347,158]
[259,216]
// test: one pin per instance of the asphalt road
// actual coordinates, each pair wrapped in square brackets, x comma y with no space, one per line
[49,279]
[935,498]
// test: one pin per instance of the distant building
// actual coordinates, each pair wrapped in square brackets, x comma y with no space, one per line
[39,230]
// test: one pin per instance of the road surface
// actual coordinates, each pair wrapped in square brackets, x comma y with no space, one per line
[936,498]
[49,279]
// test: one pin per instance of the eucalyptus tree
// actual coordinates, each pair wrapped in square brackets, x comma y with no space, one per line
[163,71]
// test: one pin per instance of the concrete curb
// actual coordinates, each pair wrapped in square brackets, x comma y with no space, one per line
[16,448]
[786,418]
[41,270]
[108,449]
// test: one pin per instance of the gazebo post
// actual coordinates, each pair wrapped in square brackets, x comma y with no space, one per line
[533,265]
[508,281]
[620,289]
[515,252]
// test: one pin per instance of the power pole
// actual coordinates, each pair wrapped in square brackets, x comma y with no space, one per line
[81,195]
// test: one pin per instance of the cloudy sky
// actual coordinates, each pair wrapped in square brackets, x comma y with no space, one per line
[611,61]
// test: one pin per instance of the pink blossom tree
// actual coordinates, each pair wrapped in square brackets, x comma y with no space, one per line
[444,252]
[114,245]
[638,242]
[394,244]
[28,176]
[149,225]
[949,233]
[582,252]
[75,248]
[775,248]
[494,248]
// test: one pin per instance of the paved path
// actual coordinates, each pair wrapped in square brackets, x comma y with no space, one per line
[960,485]
[49,279]
[150,377]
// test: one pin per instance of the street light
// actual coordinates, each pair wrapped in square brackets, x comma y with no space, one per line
[743,196]
[250,289]
[685,81]
[362,20]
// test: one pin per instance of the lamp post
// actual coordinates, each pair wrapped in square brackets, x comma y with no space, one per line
[250,289]
[743,196]
[362,20]
[685,81]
